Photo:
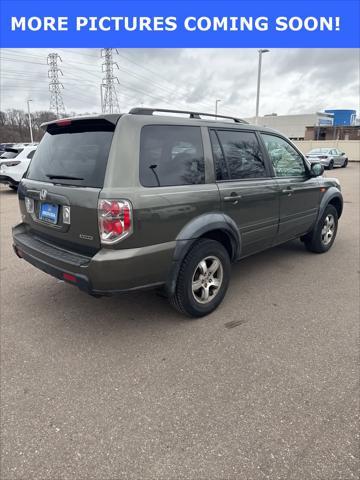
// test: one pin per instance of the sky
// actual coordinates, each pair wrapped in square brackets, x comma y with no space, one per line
[293,80]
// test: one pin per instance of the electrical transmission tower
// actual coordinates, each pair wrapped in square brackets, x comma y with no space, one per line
[55,86]
[109,100]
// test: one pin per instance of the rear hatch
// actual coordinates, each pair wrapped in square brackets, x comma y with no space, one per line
[60,191]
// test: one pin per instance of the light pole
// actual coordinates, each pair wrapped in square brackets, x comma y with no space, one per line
[216,106]
[261,51]
[102,97]
[30,125]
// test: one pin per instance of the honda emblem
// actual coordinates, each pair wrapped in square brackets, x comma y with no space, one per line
[43,194]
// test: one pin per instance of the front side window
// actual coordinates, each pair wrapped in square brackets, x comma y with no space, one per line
[171,155]
[242,154]
[287,162]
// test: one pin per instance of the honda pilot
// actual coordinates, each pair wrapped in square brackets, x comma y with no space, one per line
[169,200]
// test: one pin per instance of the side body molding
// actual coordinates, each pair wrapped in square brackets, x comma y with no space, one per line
[195,229]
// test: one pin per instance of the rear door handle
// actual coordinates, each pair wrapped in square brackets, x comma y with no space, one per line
[288,190]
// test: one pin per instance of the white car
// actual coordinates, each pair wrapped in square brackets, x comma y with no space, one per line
[329,157]
[13,164]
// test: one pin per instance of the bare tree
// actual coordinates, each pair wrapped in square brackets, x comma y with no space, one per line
[14,125]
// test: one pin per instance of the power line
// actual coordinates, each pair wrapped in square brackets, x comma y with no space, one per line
[169,95]
[55,86]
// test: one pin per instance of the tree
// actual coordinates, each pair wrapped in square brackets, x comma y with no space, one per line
[14,125]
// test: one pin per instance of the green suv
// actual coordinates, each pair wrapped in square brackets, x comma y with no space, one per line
[113,203]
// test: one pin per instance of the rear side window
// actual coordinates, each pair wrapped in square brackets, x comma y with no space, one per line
[74,154]
[242,154]
[171,155]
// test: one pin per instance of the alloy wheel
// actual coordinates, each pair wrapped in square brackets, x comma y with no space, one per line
[328,230]
[207,279]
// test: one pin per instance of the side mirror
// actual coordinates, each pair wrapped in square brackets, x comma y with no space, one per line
[316,169]
[342,153]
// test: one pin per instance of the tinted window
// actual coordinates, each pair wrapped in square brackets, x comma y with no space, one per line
[287,162]
[10,154]
[221,172]
[171,155]
[242,154]
[319,150]
[79,151]
[31,154]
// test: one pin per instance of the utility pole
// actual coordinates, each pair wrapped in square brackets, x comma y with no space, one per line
[101,97]
[30,124]
[110,103]
[261,51]
[216,107]
[55,86]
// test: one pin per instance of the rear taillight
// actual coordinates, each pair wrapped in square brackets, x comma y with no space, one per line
[115,220]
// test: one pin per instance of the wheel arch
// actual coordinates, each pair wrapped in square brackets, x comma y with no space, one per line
[216,226]
[333,197]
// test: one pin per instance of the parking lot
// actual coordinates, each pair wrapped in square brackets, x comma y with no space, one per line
[264,388]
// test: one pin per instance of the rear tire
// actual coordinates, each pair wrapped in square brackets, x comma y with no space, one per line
[322,237]
[203,279]
[331,165]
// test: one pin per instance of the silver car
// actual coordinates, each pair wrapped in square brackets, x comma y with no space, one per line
[329,157]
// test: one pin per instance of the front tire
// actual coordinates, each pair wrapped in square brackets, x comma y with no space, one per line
[203,279]
[322,237]
[345,164]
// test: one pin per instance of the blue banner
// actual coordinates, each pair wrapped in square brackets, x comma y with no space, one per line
[159,23]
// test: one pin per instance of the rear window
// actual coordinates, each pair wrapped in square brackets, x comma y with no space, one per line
[11,154]
[319,150]
[171,155]
[74,154]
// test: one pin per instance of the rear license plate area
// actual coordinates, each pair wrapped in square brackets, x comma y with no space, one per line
[49,213]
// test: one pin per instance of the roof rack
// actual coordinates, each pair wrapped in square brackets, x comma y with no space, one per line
[197,115]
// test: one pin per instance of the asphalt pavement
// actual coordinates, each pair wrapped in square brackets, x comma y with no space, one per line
[126,388]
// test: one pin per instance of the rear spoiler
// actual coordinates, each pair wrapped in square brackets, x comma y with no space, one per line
[111,117]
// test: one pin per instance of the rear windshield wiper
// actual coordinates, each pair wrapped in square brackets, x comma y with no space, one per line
[63,177]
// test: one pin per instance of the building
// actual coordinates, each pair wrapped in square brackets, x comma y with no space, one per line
[294,126]
[343,117]
[350,132]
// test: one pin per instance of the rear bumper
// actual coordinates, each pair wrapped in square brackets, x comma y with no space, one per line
[108,272]
[6,180]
